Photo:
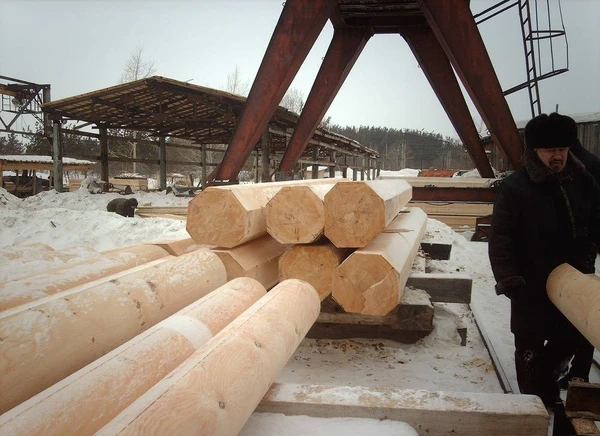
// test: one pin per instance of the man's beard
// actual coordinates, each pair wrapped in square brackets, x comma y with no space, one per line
[557,165]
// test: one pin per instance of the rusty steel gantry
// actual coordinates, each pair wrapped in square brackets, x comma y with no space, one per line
[444,38]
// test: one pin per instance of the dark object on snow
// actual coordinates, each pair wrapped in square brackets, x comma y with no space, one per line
[122,206]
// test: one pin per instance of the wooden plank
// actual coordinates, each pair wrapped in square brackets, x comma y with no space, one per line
[583,400]
[430,413]
[443,182]
[453,208]
[443,287]
[436,251]
[171,210]
[585,427]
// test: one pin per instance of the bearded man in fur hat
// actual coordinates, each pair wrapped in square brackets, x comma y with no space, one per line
[546,213]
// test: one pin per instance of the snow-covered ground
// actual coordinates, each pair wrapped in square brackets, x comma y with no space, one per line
[77,224]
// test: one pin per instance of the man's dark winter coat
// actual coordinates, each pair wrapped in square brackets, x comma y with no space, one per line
[122,206]
[541,220]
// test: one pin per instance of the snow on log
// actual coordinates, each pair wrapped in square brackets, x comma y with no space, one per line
[258,259]
[216,390]
[227,216]
[313,263]
[296,214]
[577,296]
[371,280]
[356,212]
[86,400]
[60,334]
[25,290]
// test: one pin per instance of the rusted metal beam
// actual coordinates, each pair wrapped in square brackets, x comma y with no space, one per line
[453,194]
[439,73]
[455,29]
[345,47]
[297,30]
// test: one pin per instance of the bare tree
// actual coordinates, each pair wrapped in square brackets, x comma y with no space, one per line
[136,67]
[293,100]
[235,84]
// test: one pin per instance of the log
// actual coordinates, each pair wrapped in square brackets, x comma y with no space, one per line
[24,250]
[58,335]
[46,283]
[355,213]
[227,216]
[371,280]
[296,214]
[429,412]
[313,263]
[88,399]
[177,247]
[216,390]
[258,259]
[577,296]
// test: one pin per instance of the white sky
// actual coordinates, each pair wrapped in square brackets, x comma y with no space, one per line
[80,46]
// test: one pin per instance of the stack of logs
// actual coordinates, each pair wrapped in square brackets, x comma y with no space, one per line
[153,338]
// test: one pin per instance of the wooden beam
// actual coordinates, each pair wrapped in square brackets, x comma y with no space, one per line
[355,213]
[58,335]
[258,259]
[577,296]
[50,282]
[583,400]
[443,287]
[88,399]
[428,412]
[313,263]
[208,391]
[371,280]
[296,214]
[435,250]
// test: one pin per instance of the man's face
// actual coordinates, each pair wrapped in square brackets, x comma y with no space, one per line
[553,158]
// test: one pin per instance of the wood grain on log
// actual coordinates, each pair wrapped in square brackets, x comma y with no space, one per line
[356,212]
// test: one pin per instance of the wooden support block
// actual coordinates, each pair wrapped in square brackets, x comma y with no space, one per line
[46,283]
[585,427]
[371,280]
[436,251]
[88,399]
[355,213]
[429,413]
[410,321]
[296,214]
[258,259]
[313,263]
[577,296]
[216,390]
[443,287]
[178,247]
[227,216]
[583,400]
[60,334]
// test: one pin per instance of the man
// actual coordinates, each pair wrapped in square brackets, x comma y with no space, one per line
[122,206]
[546,213]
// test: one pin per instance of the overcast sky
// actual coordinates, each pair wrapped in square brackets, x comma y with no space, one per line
[81,46]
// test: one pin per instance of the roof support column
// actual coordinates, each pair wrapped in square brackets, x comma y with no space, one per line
[103,153]
[266,159]
[315,164]
[332,168]
[297,30]
[345,167]
[456,30]
[57,157]
[345,47]
[162,158]
[203,170]
[439,73]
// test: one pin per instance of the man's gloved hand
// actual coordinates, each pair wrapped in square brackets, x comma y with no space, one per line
[514,288]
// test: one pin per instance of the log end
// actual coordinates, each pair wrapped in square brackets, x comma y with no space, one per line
[295,215]
[354,215]
[216,217]
[366,284]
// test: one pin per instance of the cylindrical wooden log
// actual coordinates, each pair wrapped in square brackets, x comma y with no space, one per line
[88,399]
[19,251]
[49,341]
[313,263]
[355,213]
[179,246]
[227,216]
[296,214]
[216,390]
[258,259]
[577,296]
[371,280]
[25,290]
